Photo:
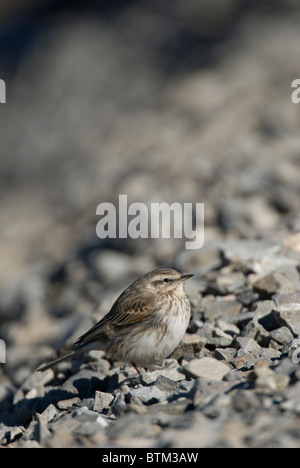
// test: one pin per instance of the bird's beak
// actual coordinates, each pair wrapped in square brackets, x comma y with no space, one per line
[185,277]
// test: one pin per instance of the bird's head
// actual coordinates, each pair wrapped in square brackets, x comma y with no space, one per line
[166,280]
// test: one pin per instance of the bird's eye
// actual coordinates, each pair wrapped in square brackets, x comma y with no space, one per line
[166,280]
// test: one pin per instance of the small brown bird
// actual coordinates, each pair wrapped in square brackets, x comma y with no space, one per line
[145,324]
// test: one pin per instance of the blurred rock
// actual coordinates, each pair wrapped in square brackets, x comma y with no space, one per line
[274,283]
[113,266]
[291,401]
[220,308]
[282,299]
[184,102]
[245,252]
[267,380]
[147,395]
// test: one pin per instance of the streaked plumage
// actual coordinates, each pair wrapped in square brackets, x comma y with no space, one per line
[145,324]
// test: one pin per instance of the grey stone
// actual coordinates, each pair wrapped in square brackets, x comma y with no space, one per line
[255,330]
[37,380]
[16,432]
[242,352]
[282,299]
[289,315]
[102,421]
[148,395]
[194,324]
[230,281]
[282,335]
[200,261]
[166,412]
[262,321]
[291,400]
[190,345]
[247,361]
[247,251]
[263,309]
[268,381]
[186,385]
[64,425]
[136,406]
[63,438]
[67,404]
[82,383]
[83,414]
[229,328]
[87,429]
[9,433]
[87,402]
[267,320]
[119,405]
[234,376]
[31,431]
[248,344]
[37,430]
[214,336]
[293,350]
[240,319]
[207,367]
[224,354]
[131,426]
[270,353]
[245,400]
[29,444]
[236,211]
[113,266]
[217,406]
[247,297]
[49,413]
[222,307]
[203,388]
[102,400]
[6,392]
[273,283]
[169,363]
[90,428]
[101,365]
[148,378]
[165,384]
[43,433]
[287,367]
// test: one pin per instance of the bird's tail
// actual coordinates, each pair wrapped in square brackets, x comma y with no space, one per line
[53,363]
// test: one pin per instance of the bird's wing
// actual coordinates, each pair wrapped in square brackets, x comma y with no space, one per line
[124,312]
[130,313]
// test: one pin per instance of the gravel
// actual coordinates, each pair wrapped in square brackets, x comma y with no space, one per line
[223,371]
[207,367]
[192,105]
[289,315]
[236,366]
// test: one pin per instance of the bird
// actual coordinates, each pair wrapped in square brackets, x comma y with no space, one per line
[144,325]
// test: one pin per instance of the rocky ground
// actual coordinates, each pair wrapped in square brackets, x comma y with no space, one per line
[233,382]
[169,105]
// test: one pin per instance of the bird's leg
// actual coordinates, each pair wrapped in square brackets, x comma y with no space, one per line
[136,368]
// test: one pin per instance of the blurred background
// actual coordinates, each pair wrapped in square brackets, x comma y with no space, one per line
[163,101]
